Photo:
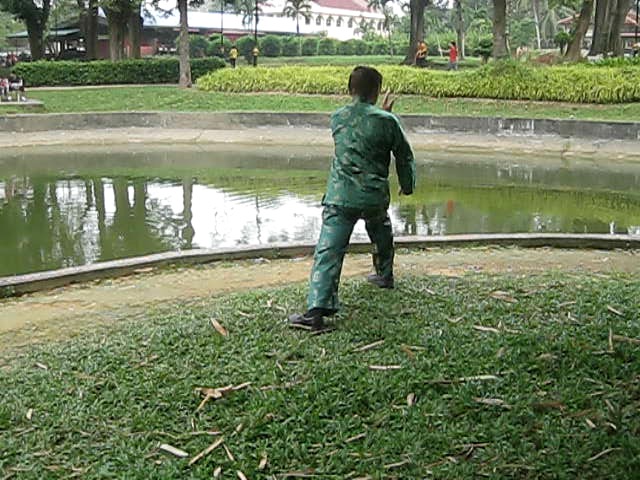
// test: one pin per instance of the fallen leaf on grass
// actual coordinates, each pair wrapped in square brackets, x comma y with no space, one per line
[370,346]
[229,454]
[475,378]
[176,452]
[602,453]
[42,366]
[615,311]
[494,402]
[355,438]
[411,399]
[217,393]
[408,351]
[455,320]
[263,462]
[217,472]
[29,414]
[240,475]
[383,368]
[621,338]
[219,328]
[547,356]
[504,296]
[590,423]
[207,451]
[482,328]
[391,466]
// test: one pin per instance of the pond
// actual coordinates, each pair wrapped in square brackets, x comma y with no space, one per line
[60,208]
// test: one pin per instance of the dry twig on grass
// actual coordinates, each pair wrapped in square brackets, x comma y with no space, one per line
[206,451]
[176,452]
[217,393]
[370,346]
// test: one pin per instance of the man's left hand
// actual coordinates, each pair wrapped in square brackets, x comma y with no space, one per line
[387,102]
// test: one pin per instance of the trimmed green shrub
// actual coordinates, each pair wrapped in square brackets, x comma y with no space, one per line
[271,46]
[484,48]
[379,48]
[327,46]
[618,62]
[245,47]
[309,47]
[360,47]
[104,72]
[346,48]
[499,80]
[213,46]
[197,46]
[291,47]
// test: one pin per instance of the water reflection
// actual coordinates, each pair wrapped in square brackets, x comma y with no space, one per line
[74,212]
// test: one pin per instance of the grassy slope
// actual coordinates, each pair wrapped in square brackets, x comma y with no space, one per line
[174,99]
[105,403]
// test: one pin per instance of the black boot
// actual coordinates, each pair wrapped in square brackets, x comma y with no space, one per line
[380,281]
[311,320]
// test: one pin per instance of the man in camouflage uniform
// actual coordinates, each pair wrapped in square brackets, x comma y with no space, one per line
[358,188]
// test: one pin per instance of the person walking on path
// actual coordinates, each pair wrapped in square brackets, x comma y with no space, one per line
[453,56]
[358,188]
[233,56]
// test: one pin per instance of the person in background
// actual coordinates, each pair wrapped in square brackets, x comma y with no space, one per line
[233,56]
[358,188]
[453,56]
[255,52]
[421,55]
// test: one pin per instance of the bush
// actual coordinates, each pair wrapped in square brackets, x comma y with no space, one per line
[271,46]
[104,72]
[245,47]
[379,48]
[346,48]
[291,47]
[327,46]
[309,47]
[213,46]
[499,80]
[360,47]
[618,62]
[484,48]
[197,46]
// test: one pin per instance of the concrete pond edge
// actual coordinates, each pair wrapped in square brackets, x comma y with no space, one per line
[47,280]
[568,128]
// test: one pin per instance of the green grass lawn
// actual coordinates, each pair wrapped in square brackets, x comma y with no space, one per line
[166,98]
[486,376]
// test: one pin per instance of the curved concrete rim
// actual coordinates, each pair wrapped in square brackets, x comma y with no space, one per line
[39,281]
[415,123]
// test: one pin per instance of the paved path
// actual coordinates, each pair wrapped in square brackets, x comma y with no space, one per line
[70,311]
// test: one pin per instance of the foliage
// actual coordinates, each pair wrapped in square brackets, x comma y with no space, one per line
[310,46]
[327,46]
[562,39]
[360,47]
[484,48]
[198,45]
[291,47]
[271,46]
[379,48]
[213,46]
[499,80]
[617,62]
[8,25]
[520,391]
[245,46]
[346,48]
[101,72]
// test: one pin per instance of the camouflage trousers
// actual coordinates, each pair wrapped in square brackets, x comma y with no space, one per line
[337,226]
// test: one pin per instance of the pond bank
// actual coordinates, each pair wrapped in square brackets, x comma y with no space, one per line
[70,311]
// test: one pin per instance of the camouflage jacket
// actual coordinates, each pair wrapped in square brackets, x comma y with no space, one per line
[364,137]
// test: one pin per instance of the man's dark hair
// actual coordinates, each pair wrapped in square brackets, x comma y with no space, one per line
[365,82]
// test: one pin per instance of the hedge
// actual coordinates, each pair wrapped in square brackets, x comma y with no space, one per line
[104,72]
[500,80]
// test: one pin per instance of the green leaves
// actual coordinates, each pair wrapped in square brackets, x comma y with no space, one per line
[500,80]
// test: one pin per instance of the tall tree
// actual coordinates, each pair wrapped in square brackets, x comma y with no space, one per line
[416,32]
[35,17]
[460,28]
[500,49]
[296,9]
[574,50]
[183,46]
[89,26]
[618,17]
[119,13]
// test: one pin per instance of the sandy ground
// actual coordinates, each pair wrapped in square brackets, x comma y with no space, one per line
[67,312]
[459,142]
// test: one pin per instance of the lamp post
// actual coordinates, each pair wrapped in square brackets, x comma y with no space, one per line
[637,17]
[255,36]
[222,26]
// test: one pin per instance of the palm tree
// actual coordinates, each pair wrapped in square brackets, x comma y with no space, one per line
[248,10]
[389,22]
[296,9]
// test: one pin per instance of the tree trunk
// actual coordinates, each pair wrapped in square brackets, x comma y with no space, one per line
[536,19]
[91,31]
[416,34]
[574,51]
[135,34]
[36,39]
[600,28]
[500,29]
[460,29]
[117,21]
[616,45]
[183,47]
